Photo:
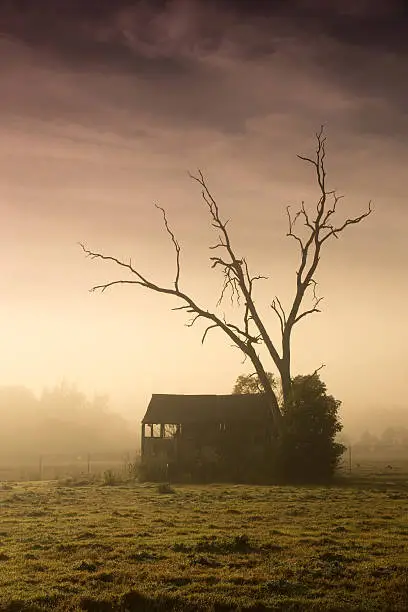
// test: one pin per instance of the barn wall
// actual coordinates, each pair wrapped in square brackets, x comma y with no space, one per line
[208,452]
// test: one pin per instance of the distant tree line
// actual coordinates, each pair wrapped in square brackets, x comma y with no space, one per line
[61,420]
[392,439]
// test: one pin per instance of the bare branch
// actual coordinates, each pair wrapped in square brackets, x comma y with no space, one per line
[206,332]
[281,309]
[307,312]
[332,210]
[241,338]
[291,226]
[319,231]
[304,213]
[193,320]
[105,286]
[258,277]
[235,265]
[278,309]
[313,282]
[115,260]
[334,231]
[217,261]
[232,284]
[308,159]
[190,305]
[175,243]
[316,232]
[219,244]
[318,369]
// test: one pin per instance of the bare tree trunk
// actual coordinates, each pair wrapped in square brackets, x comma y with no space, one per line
[286,379]
[270,394]
[265,383]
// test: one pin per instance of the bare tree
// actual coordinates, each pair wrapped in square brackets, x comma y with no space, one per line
[319,227]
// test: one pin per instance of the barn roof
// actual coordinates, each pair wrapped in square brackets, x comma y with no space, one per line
[206,408]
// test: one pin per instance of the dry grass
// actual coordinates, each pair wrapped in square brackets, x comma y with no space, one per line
[102,548]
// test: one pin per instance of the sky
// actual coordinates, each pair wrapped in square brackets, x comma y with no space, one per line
[104,109]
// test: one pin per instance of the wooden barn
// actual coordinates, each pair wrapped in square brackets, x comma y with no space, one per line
[206,438]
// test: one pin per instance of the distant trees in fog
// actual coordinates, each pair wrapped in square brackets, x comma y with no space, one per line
[61,420]
[392,439]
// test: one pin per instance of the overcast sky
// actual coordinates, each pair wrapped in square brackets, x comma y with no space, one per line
[105,107]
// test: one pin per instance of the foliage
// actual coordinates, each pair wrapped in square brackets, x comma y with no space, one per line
[308,450]
[250,383]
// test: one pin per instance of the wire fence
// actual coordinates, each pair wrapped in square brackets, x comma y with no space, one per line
[362,461]
[54,466]
[356,462]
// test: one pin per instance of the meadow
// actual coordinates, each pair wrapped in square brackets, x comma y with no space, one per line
[74,545]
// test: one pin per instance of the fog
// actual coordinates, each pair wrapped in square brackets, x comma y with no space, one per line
[60,421]
[64,421]
[103,111]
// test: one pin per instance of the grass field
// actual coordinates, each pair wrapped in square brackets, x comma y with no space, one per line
[132,547]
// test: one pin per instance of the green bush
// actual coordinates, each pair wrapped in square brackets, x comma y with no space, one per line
[307,450]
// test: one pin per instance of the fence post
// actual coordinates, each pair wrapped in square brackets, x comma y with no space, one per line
[349,449]
[40,467]
[88,462]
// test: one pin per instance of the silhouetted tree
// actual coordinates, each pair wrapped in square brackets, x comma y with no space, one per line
[319,227]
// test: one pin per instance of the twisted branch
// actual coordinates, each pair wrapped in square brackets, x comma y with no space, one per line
[319,230]
[235,270]
[175,243]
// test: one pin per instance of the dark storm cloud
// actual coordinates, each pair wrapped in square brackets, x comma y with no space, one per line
[374,24]
[83,38]
[191,60]
[87,32]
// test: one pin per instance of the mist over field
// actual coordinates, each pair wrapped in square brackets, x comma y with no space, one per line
[61,420]
[64,420]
